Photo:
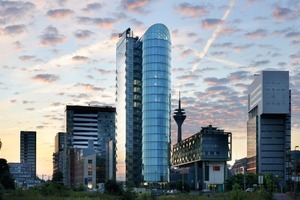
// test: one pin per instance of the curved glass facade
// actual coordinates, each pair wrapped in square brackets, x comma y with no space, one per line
[156,86]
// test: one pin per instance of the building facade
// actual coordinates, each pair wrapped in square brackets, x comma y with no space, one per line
[28,150]
[205,154]
[86,124]
[269,123]
[143,67]
[58,155]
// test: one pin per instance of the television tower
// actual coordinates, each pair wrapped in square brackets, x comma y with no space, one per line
[179,116]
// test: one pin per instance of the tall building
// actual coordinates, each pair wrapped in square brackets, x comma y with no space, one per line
[179,116]
[143,67]
[58,155]
[269,123]
[85,124]
[28,149]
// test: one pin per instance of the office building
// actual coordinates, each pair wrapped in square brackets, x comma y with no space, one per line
[94,124]
[23,174]
[204,155]
[58,155]
[28,150]
[269,123]
[143,67]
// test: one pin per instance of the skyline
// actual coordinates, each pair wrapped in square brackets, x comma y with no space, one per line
[63,53]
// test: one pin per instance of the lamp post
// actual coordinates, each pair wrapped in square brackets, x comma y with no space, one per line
[295,172]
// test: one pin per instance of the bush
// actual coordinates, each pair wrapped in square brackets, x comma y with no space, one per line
[112,187]
[235,195]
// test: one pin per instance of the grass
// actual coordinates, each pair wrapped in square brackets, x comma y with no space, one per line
[68,194]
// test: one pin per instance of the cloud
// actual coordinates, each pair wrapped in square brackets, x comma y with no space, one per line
[101,22]
[136,22]
[229,31]
[83,34]
[190,10]
[259,33]
[46,78]
[259,63]
[283,13]
[51,36]
[93,7]
[293,35]
[89,87]
[210,23]
[18,45]
[218,53]
[13,101]
[137,6]
[27,58]
[59,13]
[239,76]
[56,104]
[215,81]
[105,72]
[28,102]
[186,53]
[230,45]
[14,11]
[80,58]
[13,29]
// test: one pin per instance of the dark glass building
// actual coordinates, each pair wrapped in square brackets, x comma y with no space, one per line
[269,124]
[143,105]
[28,149]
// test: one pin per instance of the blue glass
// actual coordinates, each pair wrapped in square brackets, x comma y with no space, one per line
[156,103]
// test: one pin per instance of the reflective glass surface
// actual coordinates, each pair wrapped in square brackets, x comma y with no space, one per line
[156,103]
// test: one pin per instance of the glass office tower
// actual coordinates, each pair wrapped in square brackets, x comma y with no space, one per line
[156,103]
[129,108]
[143,105]
[269,123]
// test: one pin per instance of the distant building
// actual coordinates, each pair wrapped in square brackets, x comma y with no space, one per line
[269,124]
[85,167]
[294,165]
[58,155]
[143,68]
[28,150]
[239,166]
[206,154]
[23,174]
[94,124]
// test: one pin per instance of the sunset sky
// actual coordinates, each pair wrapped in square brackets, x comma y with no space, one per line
[62,52]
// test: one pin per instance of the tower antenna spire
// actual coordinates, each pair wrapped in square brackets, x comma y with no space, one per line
[179,116]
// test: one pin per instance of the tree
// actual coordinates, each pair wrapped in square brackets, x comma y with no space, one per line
[7,181]
[112,187]
[57,177]
[6,178]
[3,166]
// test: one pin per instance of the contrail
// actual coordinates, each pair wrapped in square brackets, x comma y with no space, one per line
[215,34]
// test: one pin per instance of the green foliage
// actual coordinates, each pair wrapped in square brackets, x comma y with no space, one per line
[7,181]
[235,195]
[186,186]
[112,187]
[1,192]
[6,178]
[145,196]
[238,179]
[57,177]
